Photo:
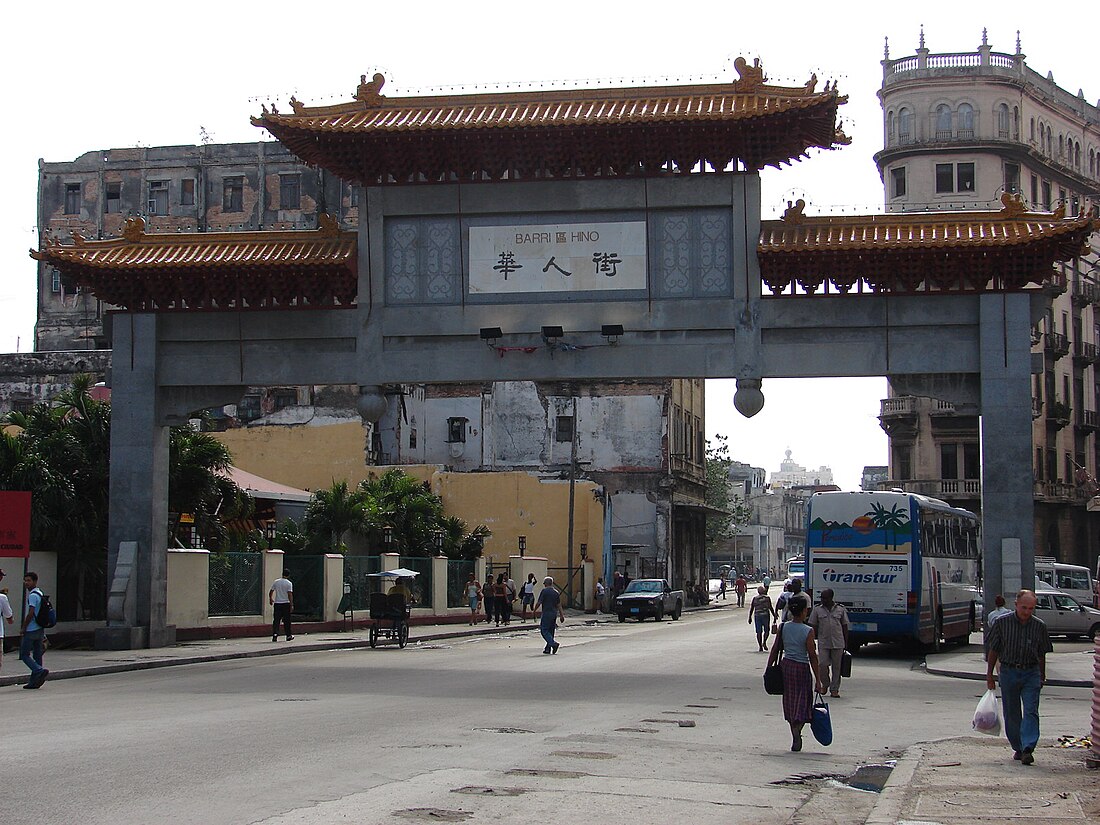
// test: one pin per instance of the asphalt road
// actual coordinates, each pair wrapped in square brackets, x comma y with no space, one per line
[483,730]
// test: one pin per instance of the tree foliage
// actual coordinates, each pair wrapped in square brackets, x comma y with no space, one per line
[720,496]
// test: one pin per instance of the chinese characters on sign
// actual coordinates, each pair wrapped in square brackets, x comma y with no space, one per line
[558,258]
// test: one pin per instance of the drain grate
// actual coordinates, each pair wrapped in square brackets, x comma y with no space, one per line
[483,790]
[434,814]
[548,774]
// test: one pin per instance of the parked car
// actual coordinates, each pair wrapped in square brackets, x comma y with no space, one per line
[1065,616]
[649,597]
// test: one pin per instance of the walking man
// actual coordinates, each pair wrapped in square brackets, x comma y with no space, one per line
[5,617]
[741,585]
[549,602]
[281,595]
[30,645]
[1020,643]
[830,622]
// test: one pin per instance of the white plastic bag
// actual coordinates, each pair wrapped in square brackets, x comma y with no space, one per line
[987,716]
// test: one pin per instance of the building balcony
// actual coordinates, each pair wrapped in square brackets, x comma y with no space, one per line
[1055,491]
[1055,284]
[950,489]
[1084,293]
[1056,344]
[1088,421]
[898,416]
[1058,414]
[1085,353]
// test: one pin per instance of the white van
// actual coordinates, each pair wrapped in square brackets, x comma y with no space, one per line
[1069,578]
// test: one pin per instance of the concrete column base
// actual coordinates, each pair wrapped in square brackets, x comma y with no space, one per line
[121,638]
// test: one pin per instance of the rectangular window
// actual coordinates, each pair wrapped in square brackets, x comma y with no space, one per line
[55,282]
[158,197]
[1038,463]
[113,204]
[949,461]
[72,198]
[897,180]
[903,465]
[1012,178]
[290,192]
[972,465]
[1034,190]
[233,194]
[353,200]
[1052,465]
[965,175]
[1046,195]
[187,192]
[563,428]
[945,177]
[412,438]
[456,430]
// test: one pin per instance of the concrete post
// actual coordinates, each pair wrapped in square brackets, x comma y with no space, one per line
[1007,494]
[138,486]
[588,585]
[273,569]
[333,586]
[390,561]
[439,585]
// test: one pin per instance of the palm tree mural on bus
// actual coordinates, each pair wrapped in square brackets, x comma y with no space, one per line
[892,519]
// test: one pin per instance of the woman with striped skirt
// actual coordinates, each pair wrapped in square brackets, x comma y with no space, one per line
[796,639]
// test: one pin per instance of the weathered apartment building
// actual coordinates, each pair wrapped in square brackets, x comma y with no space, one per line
[977,131]
[643,442]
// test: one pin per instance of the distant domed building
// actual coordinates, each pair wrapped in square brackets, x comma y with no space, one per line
[792,474]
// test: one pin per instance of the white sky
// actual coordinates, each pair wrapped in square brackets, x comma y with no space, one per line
[84,76]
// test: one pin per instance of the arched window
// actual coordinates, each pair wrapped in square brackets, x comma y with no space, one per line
[1002,121]
[1061,145]
[905,125]
[966,121]
[1077,156]
[943,122]
[1015,122]
[1092,162]
[1032,130]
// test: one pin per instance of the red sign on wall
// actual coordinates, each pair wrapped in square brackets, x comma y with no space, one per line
[15,525]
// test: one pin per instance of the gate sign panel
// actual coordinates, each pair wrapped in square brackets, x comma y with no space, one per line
[15,525]
[548,258]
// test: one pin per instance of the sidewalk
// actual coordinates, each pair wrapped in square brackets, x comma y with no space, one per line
[1073,669]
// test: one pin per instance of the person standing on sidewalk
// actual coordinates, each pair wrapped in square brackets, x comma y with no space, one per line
[528,595]
[830,622]
[281,595]
[1020,642]
[489,599]
[5,617]
[741,585]
[30,644]
[549,602]
[473,596]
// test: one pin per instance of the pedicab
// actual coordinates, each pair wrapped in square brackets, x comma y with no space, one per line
[389,612]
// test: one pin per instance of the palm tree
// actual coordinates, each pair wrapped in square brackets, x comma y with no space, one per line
[199,483]
[335,512]
[397,500]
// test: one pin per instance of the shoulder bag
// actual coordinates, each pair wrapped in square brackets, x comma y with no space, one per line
[773,674]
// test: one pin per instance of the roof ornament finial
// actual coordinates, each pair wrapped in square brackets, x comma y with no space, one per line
[134,229]
[985,36]
[1012,205]
[922,35]
[370,93]
[794,213]
[886,49]
[1018,47]
[752,77]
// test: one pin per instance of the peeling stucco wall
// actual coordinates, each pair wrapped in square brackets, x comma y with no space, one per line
[32,377]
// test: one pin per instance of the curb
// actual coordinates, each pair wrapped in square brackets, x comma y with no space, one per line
[889,806]
[980,677]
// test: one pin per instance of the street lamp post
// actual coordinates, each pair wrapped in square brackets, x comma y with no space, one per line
[438,538]
[522,546]
[269,534]
[387,537]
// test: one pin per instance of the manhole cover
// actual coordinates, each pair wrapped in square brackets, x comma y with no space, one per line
[434,814]
[482,790]
[503,730]
[546,773]
[584,754]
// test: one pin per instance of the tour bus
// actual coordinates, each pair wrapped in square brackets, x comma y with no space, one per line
[1069,578]
[905,566]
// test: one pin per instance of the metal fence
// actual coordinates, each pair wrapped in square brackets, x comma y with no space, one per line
[420,586]
[307,573]
[358,584]
[236,584]
[458,573]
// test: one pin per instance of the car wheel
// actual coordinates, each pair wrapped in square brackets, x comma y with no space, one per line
[676,613]
[1094,630]
[622,617]
[659,615]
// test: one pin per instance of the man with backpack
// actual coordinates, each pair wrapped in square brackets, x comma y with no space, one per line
[30,645]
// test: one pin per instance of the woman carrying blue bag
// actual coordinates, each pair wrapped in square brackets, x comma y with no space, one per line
[799,662]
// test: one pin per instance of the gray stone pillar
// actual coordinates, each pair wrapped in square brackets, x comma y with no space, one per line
[1007,488]
[139,486]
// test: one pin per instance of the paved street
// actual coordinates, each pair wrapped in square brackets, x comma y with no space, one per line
[485,729]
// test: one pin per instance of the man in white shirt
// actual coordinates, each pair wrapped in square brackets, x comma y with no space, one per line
[5,617]
[281,595]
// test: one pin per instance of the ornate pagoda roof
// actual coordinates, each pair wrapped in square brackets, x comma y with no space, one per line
[212,270]
[920,252]
[604,132]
